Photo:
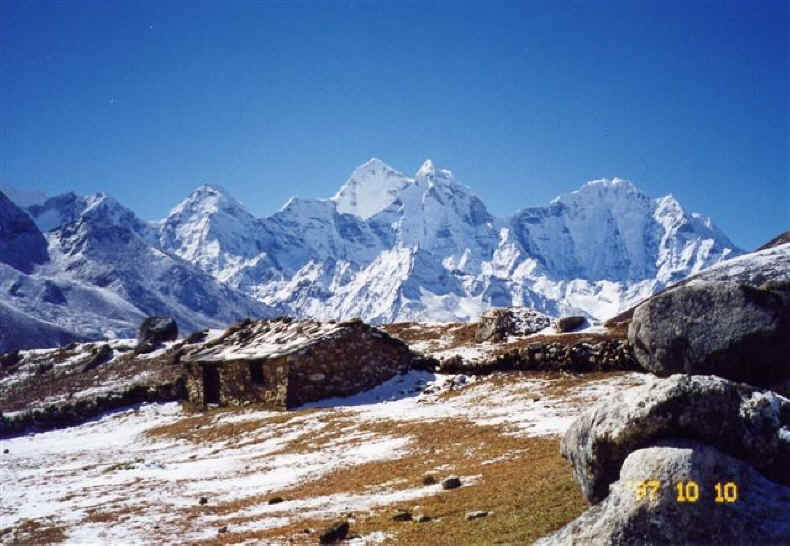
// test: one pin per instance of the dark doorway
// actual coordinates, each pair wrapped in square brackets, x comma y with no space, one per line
[210,384]
[256,372]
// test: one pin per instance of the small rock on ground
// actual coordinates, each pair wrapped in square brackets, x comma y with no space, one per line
[401,515]
[476,514]
[334,533]
[451,482]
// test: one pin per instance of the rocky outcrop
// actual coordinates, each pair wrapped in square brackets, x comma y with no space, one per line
[499,323]
[155,331]
[752,510]
[735,331]
[22,246]
[735,418]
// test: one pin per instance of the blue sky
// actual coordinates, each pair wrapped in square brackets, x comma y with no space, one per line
[522,100]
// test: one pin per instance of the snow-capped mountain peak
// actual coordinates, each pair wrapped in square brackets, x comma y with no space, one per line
[210,228]
[371,188]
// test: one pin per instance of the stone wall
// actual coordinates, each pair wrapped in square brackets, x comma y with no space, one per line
[239,384]
[357,358]
[71,413]
[580,357]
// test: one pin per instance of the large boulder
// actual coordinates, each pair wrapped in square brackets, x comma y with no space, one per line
[569,324]
[735,331]
[154,331]
[499,323]
[633,514]
[735,418]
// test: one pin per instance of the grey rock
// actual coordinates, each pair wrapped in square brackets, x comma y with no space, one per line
[569,324]
[476,514]
[401,515]
[758,516]
[155,330]
[334,533]
[496,324]
[731,330]
[735,418]
[451,482]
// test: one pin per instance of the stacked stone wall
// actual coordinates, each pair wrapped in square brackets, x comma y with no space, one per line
[359,358]
[580,357]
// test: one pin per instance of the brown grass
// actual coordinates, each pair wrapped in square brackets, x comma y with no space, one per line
[33,532]
[523,482]
[528,488]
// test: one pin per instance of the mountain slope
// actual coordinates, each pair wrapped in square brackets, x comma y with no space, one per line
[22,246]
[104,275]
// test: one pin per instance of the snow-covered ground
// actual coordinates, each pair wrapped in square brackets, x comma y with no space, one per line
[125,479]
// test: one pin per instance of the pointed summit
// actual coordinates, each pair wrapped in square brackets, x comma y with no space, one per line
[208,199]
[427,170]
[371,188]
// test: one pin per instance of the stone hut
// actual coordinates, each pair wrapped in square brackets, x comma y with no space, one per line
[284,363]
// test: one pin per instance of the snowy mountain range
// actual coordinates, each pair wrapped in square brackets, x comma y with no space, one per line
[386,247]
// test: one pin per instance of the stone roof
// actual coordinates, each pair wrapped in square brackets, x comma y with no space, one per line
[268,339]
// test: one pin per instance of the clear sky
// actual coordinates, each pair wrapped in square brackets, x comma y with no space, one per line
[522,100]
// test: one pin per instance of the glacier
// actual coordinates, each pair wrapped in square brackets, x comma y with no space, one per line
[386,247]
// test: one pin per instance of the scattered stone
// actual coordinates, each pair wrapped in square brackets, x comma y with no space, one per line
[569,324]
[401,515]
[756,513]
[223,529]
[476,514]
[276,500]
[451,482]
[428,479]
[735,331]
[733,417]
[154,331]
[335,533]
[203,500]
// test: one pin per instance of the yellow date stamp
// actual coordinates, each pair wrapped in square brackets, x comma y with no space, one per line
[685,491]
